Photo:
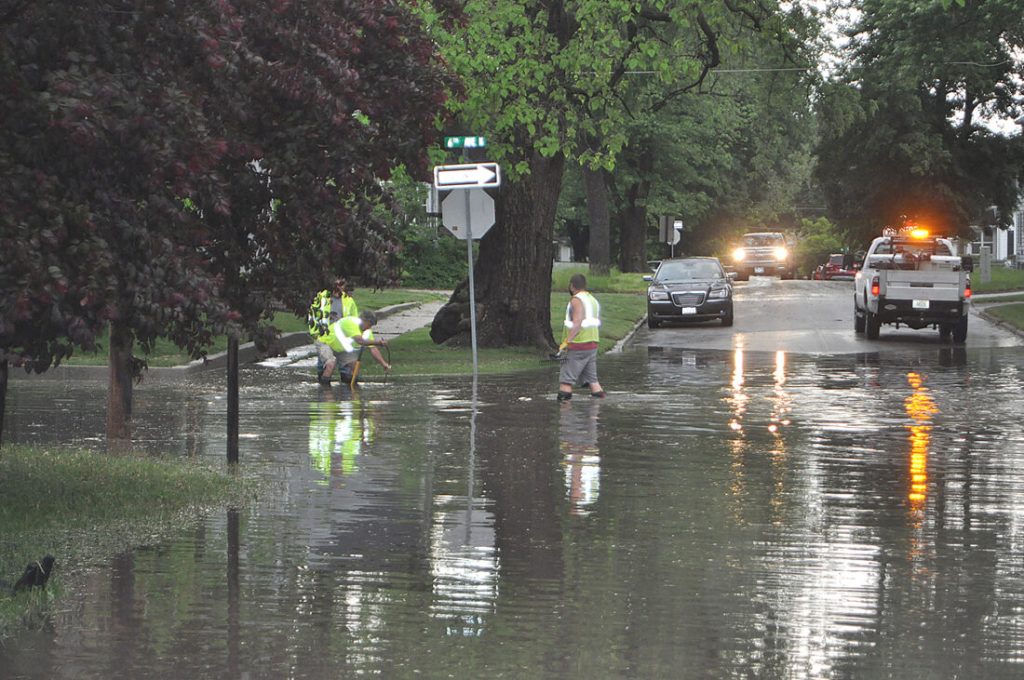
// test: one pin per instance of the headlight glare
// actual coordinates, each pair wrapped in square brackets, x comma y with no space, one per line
[739,254]
[781,253]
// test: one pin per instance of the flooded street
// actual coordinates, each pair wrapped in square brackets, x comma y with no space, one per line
[723,514]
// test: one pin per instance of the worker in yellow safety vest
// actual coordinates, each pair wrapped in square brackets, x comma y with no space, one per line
[343,344]
[578,351]
[327,307]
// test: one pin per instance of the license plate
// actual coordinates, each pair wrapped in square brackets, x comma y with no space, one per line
[920,304]
[689,310]
[759,270]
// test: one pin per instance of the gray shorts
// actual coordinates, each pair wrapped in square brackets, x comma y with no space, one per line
[578,366]
[325,354]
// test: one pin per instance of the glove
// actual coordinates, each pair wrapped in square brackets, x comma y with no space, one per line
[561,348]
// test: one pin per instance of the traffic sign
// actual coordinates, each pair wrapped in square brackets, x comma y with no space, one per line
[465,142]
[465,211]
[467,176]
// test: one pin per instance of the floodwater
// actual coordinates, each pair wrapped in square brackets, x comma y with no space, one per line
[722,514]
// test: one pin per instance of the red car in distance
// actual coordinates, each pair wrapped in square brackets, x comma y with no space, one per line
[836,269]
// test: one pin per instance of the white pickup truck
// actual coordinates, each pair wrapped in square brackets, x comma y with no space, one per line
[912,278]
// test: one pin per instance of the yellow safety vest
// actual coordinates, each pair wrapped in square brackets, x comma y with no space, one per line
[340,333]
[591,318]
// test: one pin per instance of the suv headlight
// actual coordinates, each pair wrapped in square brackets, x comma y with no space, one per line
[781,253]
[657,295]
[739,254]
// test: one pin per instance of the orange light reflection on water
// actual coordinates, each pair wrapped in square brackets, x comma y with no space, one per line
[920,407]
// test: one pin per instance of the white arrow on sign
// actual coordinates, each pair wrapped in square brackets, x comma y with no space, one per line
[468,176]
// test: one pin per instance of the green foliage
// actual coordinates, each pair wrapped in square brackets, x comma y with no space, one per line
[429,257]
[817,240]
[902,129]
[141,188]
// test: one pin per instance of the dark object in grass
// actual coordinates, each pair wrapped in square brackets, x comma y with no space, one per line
[36,575]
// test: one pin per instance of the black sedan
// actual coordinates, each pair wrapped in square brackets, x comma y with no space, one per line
[689,289]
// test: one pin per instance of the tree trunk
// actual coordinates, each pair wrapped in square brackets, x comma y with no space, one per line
[119,394]
[600,221]
[633,229]
[3,396]
[512,276]
[232,399]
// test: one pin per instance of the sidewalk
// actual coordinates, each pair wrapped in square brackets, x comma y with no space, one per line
[391,322]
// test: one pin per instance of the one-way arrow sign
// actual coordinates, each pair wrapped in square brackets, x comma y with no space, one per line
[469,176]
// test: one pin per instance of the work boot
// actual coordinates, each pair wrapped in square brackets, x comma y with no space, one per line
[597,395]
[324,381]
[564,396]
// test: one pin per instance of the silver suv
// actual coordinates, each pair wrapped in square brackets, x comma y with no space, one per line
[764,253]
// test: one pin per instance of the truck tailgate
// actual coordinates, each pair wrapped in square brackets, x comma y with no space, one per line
[934,284]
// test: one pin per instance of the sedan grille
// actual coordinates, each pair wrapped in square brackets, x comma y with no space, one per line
[688,299]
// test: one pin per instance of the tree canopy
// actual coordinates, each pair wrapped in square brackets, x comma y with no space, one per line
[174,168]
[903,128]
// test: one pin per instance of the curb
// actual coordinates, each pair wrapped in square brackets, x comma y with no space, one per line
[247,353]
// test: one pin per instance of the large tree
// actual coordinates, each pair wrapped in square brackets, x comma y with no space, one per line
[904,127]
[170,161]
[547,82]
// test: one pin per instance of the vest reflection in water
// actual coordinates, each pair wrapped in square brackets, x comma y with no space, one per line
[338,432]
[577,436]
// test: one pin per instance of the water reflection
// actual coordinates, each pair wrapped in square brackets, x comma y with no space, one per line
[339,429]
[737,514]
[577,432]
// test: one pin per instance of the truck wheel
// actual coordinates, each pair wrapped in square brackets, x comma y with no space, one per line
[945,330]
[872,324]
[858,321]
[960,331]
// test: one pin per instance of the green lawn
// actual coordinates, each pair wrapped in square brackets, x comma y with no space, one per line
[1012,314]
[1003,279]
[415,354]
[75,505]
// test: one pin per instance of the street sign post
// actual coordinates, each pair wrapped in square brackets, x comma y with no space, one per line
[467,176]
[468,216]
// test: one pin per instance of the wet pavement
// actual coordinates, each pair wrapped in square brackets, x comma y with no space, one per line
[724,513]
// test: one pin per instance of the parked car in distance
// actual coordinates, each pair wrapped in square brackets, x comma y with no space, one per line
[838,267]
[765,254]
[689,289]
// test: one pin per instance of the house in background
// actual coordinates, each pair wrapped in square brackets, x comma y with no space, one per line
[1005,244]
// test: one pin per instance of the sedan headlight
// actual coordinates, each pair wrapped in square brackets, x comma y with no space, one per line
[718,293]
[781,253]
[739,254]
[654,295]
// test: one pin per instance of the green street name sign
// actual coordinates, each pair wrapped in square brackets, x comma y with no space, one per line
[465,142]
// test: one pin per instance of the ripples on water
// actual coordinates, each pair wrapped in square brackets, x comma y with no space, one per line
[721,514]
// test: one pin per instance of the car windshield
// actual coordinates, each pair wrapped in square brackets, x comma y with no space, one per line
[836,260]
[763,240]
[690,269]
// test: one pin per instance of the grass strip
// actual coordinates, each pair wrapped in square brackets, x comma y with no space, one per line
[415,354]
[1012,313]
[80,506]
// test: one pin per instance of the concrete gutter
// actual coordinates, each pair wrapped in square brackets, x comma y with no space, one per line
[247,353]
